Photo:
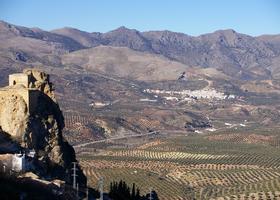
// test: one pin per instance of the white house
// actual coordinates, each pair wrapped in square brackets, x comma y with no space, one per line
[19,162]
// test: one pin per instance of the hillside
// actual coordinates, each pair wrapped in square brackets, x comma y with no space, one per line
[125,81]
[126,63]
[236,54]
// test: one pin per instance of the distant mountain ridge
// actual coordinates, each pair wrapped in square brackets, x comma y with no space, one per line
[115,69]
[238,55]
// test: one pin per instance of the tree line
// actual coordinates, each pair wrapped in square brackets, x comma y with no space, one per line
[121,191]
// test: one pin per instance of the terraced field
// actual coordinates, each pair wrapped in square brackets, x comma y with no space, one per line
[192,167]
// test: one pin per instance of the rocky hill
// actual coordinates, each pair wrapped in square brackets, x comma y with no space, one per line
[126,63]
[30,119]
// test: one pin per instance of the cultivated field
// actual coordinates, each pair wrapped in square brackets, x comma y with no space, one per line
[188,167]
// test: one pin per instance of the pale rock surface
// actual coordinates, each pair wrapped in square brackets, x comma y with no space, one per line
[40,129]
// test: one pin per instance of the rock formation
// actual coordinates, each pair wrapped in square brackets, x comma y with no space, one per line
[30,115]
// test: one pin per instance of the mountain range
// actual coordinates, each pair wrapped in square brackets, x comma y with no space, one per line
[237,55]
[115,68]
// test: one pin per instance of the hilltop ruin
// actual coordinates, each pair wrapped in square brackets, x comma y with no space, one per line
[20,100]
[31,117]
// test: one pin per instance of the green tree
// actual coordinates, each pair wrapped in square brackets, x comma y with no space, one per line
[133,193]
[137,196]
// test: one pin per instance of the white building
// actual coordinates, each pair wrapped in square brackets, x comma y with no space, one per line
[19,162]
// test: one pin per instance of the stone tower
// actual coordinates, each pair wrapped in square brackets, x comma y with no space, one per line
[19,100]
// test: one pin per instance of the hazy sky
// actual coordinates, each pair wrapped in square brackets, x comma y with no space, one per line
[194,17]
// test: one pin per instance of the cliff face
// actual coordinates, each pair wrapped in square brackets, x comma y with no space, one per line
[13,114]
[31,116]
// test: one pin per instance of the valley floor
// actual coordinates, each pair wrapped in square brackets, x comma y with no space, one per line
[220,166]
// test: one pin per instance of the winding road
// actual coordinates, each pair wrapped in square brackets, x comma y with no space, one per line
[116,138]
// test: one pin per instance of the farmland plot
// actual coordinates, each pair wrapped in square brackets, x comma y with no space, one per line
[191,168]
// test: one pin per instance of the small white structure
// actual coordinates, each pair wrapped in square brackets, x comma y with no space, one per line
[211,129]
[99,104]
[31,153]
[197,131]
[148,100]
[19,162]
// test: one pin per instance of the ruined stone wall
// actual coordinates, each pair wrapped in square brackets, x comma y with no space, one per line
[19,100]
[30,97]
[28,85]
[15,90]
[19,79]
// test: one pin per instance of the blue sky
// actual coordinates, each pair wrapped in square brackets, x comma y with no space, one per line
[193,17]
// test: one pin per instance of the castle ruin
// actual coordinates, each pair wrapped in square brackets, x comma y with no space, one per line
[19,86]
[31,120]
[19,99]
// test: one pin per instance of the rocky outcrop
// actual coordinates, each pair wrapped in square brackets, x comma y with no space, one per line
[40,81]
[13,115]
[31,186]
[36,123]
